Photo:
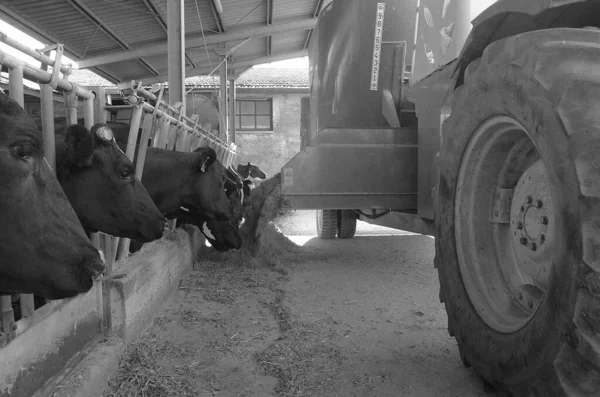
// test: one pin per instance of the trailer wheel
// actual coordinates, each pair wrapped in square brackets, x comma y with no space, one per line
[346,224]
[327,223]
[518,214]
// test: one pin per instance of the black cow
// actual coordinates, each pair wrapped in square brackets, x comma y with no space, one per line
[195,181]
[223,235]
[99,181]
[250,171]
[43,247]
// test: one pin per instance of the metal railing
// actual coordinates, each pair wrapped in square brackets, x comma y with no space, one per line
[166,125]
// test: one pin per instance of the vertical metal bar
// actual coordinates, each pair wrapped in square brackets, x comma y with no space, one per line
[8,318]
[15,86]
[189,140]
[172,137]
[121,246]
[88,113]
[141,157]
[180,140]
[107,284]
[176,50]
[99,116]
[71,106]
[47,105]
[223,100]
[100,113]
[164,134]
[232,106]
[136,118]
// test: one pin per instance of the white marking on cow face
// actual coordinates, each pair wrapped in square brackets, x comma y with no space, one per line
[185,209]
[242,195]
[206,231]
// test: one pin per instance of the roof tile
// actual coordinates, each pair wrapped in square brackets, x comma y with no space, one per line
[253,78]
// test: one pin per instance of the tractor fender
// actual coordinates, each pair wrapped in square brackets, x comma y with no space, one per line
[511,17]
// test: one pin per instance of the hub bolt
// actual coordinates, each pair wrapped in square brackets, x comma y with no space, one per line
[542,238]
[520,225]
[539,203]
[523,241]
[544,220]
[533,246]
[529,199]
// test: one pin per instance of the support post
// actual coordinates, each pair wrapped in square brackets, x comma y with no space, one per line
[100,113]
[232,107]
[223,100]
[176,50]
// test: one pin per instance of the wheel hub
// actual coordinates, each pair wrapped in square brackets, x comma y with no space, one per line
[532,217]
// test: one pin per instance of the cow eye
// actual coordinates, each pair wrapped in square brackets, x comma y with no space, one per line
[125,174]
[23,150]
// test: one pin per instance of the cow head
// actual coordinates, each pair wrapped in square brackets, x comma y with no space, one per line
[99,180]
[205,191]
[223,235]
[251,170]
[43,248]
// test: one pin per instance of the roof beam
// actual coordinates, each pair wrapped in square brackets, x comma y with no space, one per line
[206,69]
[232,35]
[163,25]
[14,19]
[269,22]
[315,15]
[86,12]
[217,15]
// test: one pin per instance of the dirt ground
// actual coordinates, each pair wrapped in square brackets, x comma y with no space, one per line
[338,318]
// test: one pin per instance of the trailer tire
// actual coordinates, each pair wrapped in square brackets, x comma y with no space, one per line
[346,224]
[529,108]
[327,224]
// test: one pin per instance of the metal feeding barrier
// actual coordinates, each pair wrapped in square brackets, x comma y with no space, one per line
[165,125]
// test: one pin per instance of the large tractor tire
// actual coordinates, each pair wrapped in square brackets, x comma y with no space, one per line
[518,214]
[346,224]
[327,224]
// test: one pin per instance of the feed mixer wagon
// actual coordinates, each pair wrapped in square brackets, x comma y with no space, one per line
[481,127]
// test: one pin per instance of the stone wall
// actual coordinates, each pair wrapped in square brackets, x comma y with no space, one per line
[271,150]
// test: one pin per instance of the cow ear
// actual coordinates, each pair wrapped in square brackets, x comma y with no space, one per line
[80,144]
[206,158]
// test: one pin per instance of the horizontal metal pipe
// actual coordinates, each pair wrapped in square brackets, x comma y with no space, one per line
[41,77]
[151,96]
[232,35]
[204,69]
[31,52]
[150,109]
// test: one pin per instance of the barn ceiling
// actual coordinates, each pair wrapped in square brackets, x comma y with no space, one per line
[123,40]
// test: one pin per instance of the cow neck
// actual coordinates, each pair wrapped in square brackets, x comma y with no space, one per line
[167,176]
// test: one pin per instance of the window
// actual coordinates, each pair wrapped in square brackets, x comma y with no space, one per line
[254,115]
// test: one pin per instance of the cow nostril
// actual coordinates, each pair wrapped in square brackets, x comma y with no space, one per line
[95,268]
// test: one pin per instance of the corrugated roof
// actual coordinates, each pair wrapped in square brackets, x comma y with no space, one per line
[258,78]
[294,78]
[86,78]
[91,28]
